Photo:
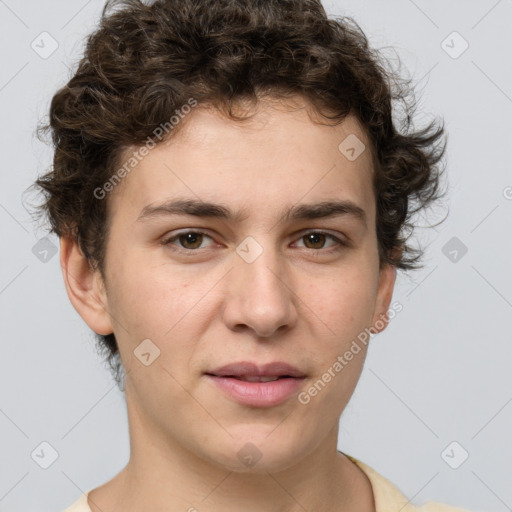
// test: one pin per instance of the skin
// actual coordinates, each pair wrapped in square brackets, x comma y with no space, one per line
[300,301]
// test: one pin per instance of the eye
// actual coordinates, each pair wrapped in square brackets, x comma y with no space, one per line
[192,240]
[317,238]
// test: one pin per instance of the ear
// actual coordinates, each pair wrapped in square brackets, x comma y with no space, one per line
[387,276]
[85,287]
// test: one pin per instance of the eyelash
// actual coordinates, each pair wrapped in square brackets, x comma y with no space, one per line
[341,243]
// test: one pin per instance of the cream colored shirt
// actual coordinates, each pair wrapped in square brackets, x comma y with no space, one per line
[387,497]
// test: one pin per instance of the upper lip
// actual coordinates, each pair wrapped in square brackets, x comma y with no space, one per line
[249,369]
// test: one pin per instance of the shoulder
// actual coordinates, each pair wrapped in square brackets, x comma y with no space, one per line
[432,506]
[388,497]
[80,505]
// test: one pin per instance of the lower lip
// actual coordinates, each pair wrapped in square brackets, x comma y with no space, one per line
[258,394]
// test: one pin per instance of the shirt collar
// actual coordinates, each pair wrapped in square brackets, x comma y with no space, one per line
[388,498]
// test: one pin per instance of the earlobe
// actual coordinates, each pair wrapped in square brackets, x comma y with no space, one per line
[85,287]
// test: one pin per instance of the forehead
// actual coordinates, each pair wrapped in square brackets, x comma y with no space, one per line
[279,156]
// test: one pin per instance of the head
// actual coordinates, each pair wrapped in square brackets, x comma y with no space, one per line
[261,110]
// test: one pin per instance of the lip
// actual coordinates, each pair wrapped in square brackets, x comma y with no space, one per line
[250,369]
[258,394]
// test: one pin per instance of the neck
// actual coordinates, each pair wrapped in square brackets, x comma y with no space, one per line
[162,474]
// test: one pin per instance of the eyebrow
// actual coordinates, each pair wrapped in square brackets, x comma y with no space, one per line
[200,208]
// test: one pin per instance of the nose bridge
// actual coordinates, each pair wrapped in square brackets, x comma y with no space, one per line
[258,294]
[260,265]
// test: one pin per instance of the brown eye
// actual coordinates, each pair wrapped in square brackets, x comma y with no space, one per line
[194,239]
[189,240]
[315,240]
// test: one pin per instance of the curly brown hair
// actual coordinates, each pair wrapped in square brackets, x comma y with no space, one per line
[145,61]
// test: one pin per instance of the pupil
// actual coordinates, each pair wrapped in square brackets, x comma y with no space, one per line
[314,236]
[192,238]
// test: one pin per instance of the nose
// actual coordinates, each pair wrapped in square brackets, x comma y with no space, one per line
[260,296]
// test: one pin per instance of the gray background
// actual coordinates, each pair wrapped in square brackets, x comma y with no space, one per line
[439,373]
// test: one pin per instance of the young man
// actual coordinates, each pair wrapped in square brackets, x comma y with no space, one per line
[231,192]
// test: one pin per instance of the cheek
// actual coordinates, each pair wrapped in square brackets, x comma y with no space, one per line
[343,306]
[168,307]
[149,296]
[341,310]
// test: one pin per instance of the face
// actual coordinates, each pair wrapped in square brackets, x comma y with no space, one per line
[247,284]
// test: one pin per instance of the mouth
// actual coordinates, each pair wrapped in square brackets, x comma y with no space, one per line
[247,370]
[254,386]
[253,378]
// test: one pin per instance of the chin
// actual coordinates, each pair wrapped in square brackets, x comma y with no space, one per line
[256,454]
